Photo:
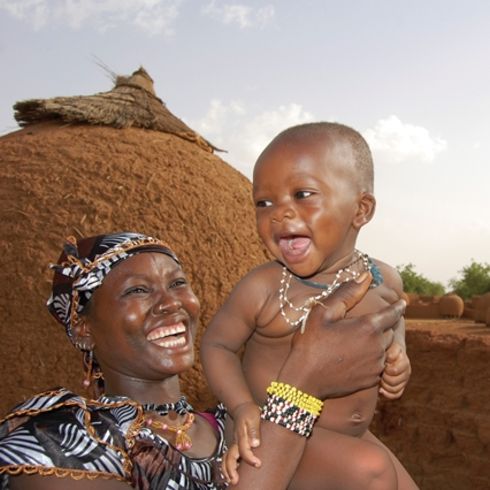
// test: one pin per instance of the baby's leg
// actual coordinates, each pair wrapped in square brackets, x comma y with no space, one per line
[405,481]
[335,461]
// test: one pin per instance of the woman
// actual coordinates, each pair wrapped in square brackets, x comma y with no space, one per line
[127,305]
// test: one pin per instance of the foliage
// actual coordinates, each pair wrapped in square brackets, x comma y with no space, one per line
[417,283]
[475,280]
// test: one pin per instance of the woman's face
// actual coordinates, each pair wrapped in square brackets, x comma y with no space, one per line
[142,320]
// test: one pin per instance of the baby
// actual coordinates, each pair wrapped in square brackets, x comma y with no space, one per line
[313,192]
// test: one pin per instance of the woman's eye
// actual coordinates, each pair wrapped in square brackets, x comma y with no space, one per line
[303,194]
[263,203]
[179,282]
[136,290]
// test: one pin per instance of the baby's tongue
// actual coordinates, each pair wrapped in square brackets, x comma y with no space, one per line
[293,245]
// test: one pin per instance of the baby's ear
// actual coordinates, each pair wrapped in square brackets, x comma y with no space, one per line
[365,210]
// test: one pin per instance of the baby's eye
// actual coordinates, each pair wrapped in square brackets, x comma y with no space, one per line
[303,194]
[263,203]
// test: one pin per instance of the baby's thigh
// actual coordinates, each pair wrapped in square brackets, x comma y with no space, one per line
[335,461]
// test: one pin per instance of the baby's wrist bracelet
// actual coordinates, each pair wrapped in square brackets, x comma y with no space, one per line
[291,408]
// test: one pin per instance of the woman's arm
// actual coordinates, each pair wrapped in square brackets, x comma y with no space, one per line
[334,357]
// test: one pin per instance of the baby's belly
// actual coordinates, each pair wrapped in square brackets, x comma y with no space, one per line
[349,415]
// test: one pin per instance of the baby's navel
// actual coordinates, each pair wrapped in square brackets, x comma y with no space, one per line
[357,418]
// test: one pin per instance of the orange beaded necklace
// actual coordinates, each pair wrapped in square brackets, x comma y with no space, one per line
[182,440]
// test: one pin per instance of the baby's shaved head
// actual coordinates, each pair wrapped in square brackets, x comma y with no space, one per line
[335,133]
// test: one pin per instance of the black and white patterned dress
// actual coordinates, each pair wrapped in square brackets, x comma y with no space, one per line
[60,433]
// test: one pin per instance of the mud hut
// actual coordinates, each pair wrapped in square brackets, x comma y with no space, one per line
[118,160]
[132,103]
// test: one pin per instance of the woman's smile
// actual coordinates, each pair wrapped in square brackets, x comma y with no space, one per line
[169,336]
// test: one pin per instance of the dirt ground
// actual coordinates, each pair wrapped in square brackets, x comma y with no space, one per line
[440,428]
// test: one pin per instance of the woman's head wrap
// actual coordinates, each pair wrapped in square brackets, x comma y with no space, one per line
[83,266]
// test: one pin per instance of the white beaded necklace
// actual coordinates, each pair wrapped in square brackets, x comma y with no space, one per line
[346,274]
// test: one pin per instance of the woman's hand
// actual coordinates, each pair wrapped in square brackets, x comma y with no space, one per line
[396,373]
[336,356]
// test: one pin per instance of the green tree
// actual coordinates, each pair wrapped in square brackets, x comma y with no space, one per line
[414,282]
[475,280]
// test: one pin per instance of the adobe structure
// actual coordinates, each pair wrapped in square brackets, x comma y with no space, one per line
[150,173]
[449,306]
[478,308]
[121,161]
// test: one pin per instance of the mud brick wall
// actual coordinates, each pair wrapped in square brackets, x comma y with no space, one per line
[440,429]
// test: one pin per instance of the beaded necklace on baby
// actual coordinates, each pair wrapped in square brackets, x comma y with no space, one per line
[343,275]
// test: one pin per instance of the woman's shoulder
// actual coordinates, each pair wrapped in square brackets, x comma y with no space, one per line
[49,404]
[37,407]
[60,431]
[46,400]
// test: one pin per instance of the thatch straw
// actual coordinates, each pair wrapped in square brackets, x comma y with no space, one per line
[131,103]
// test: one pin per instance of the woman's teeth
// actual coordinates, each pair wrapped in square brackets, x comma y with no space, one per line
[160,335]
[169,343]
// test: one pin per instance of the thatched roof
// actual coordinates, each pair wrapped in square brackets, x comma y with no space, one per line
[131,103]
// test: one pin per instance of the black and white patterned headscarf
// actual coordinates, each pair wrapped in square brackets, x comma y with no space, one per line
[83,266]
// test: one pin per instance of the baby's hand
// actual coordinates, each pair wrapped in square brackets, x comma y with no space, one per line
[230,464]
[396,373]
[246,419]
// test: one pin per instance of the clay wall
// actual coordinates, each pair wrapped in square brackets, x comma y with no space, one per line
[440,429]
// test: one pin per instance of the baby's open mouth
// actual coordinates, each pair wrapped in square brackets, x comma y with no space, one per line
[294,244]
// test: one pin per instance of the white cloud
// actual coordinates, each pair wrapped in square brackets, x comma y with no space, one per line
[151,16]
[393,141]
[242,15]
[243,133]
[35,11]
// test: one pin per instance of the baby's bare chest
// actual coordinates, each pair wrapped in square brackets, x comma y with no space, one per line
[283,313]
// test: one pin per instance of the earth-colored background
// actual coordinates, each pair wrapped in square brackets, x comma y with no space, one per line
[60,180]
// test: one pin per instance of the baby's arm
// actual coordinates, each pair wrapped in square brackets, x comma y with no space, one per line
[226,334]
[397,364]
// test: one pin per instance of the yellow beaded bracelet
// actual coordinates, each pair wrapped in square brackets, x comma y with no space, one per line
[295,396]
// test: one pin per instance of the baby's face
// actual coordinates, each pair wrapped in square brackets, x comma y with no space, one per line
[306,197]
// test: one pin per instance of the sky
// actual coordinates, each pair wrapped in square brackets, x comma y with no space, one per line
[412,77]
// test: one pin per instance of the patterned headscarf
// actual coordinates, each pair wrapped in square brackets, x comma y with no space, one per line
[83,266]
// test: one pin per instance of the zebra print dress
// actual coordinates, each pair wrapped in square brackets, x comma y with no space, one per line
[60,433]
